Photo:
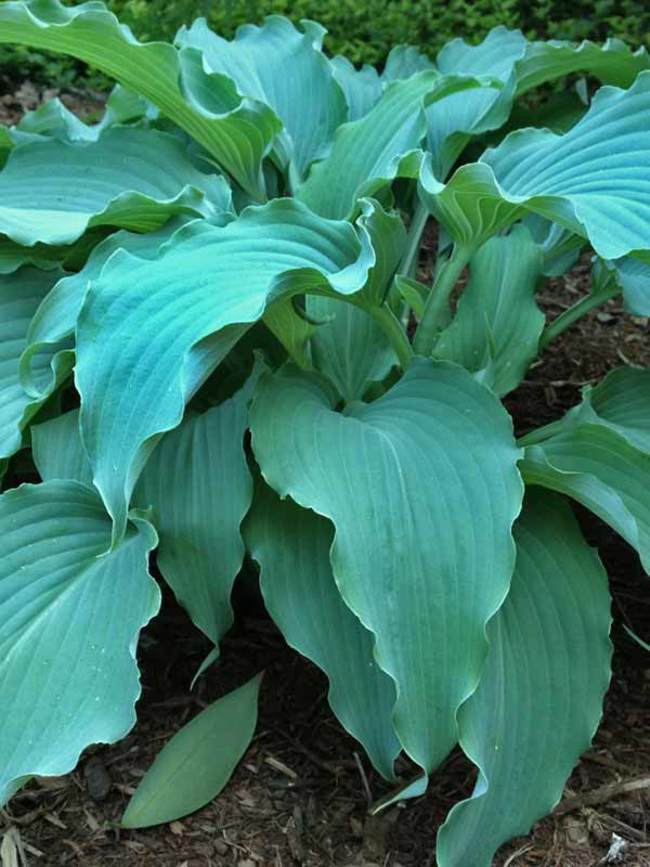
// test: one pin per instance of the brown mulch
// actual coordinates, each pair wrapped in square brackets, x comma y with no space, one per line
[298,798]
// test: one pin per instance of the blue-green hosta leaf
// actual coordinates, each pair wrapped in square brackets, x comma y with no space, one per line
[13,256]
[633,276]
[595,462]
[236,132]
[53,191]
[70,615]
[621,402]
[497,324]
[291,324]
[422,489]
[370,152]
[496,55]
[198,483]
[535,63]
[285,68]
[58,451]
[593,180]
[56,316]
[540,696]
[362,87]
[404,61]
[350,348]
[292,546]
[560,247]
[20,295]
[54,120]
[195,765]
[144,323]
[454,120]
[612,63]
[599,469]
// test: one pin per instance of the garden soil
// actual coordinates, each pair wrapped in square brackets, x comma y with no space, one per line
[299,797]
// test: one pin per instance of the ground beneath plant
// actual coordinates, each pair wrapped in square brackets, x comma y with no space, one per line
[299,797]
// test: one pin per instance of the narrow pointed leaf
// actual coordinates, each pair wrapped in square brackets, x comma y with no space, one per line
[20,295]
[195,765]
[497,324]
[198,483]
[540,697]
[285,68]
[292,546]
[236,132]
[70,615]
[423,555]
[143,326]
[132,178]
[592,180]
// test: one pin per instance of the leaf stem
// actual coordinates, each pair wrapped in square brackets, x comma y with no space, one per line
[392,328]
[438,300]
[569,317]
[409,260]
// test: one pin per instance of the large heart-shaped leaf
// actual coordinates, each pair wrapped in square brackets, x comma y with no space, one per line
[236,132]
[142,331]
[70,615]
[422,489]
[285,68]
[292,546]
[497,324]
[20,295]
[594,179]
[539,700]
[52,191]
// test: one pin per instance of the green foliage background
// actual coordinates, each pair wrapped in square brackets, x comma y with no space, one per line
[364,30]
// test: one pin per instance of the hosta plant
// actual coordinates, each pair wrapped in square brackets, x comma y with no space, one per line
[215,343]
